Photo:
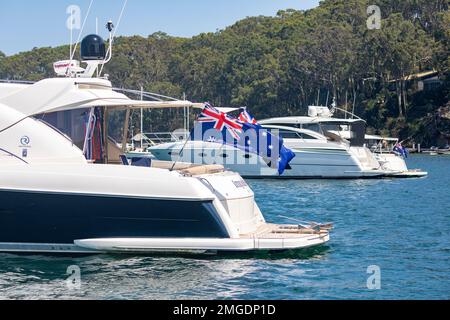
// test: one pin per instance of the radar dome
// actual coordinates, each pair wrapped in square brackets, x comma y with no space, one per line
[93,48]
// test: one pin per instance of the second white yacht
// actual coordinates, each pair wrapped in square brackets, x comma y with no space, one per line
[351,131]
[319,152]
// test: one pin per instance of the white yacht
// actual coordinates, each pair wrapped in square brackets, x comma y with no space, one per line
[319,153]
[52,200]
[352,131]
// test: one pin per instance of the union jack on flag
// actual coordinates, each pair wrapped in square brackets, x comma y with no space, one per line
[221,120]
[245,117]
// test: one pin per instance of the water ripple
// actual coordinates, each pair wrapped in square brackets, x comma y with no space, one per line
[400,225]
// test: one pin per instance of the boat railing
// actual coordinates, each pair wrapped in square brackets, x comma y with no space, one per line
[146,95]
[347,113]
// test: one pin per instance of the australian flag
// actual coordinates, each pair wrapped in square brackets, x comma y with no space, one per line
[398,148]
[244,133]
[246,117]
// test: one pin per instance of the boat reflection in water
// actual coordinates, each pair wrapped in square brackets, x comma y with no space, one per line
[156,277]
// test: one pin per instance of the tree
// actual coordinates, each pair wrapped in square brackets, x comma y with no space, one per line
[279,65]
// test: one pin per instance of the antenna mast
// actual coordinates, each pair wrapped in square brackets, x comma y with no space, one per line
[110,28]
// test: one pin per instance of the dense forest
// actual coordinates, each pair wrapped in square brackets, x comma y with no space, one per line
[279,65]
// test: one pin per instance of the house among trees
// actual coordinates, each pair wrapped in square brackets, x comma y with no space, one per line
[422,81]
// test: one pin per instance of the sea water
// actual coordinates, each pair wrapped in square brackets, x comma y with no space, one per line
[391,241]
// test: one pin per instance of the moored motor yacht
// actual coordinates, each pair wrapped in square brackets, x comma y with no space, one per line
[318,154]
[352,130]
[52,200]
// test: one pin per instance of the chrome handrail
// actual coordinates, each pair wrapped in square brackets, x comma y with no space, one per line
[149,95]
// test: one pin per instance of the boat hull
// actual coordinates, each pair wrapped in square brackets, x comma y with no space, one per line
[86,224]
[59,218]
[309,163]
[62,209]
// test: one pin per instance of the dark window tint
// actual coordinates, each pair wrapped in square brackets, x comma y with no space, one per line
[312,126]
[307,137]
[287,134]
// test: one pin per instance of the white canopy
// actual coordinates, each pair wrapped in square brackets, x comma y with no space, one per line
[62,94]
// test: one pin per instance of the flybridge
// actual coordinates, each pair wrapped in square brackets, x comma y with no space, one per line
[93,54]
[62,94]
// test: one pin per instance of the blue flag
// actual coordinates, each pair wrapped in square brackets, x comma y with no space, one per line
[401,150]
[248,136]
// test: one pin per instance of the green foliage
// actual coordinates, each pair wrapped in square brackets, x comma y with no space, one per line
[277,65]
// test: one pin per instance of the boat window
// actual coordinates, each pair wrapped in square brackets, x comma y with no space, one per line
[224,155]
[292,125]
[331,127]
[288,134]
[70,124]
[338,127]
[247,156]
[307,137]
[312,126]
[358,134]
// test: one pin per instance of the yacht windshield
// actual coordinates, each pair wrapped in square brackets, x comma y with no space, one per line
[312,126]
[70,124]
[337,127]
[353,132]
[285,134]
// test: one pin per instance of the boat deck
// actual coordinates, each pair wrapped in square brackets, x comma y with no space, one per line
[274,231]
[268,237]
[410,174]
